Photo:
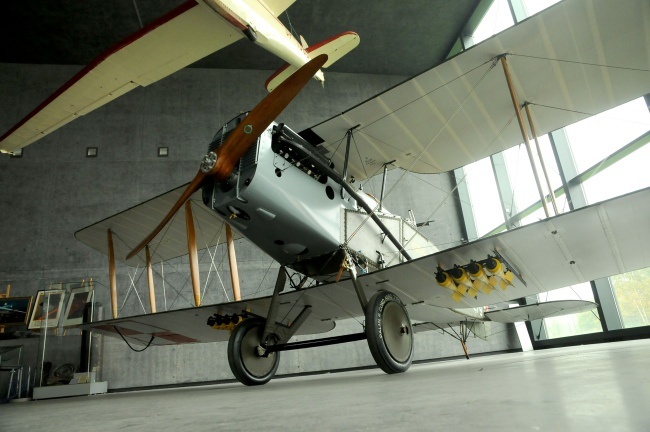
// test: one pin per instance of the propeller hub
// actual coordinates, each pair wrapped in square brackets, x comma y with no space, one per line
[208,162]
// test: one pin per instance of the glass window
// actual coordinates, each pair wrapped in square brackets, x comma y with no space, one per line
[522,180]
[484,196]
[535,6]
[632,291]
[575,324]
[496,19]
[621,178]
[596,137]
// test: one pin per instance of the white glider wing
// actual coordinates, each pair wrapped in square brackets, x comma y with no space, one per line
[179,38]
[586,57]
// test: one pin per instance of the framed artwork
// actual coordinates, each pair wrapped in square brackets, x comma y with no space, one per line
[47,309]
[15,310]
[74,311]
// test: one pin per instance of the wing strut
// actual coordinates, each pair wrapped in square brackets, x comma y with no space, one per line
[152,291]
[232,260]
[524,133]
[194,256]
[112,274]
[541,158]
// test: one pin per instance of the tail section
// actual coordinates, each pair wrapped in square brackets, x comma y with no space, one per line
[335,48]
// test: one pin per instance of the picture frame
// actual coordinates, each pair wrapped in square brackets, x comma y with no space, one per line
[47,309]
[74,311]
[15,310]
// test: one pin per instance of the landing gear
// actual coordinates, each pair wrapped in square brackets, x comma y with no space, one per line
[389,333]
[245,356]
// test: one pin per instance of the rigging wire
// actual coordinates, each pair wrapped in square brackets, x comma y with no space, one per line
[493,61]
[581,63]
[129,345]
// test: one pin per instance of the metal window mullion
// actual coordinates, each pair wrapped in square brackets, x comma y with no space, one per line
[601,288]
[506,195]
[465,205]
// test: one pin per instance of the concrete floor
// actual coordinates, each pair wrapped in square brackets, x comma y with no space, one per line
[587,388]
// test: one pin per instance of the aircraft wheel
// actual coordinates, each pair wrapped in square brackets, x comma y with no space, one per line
[248,366]
[389,333]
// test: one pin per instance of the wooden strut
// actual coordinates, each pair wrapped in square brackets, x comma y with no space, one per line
[152,291]
[541,158]
[524,133]
[232,259]
[111,273]
[461,336]
[194,256]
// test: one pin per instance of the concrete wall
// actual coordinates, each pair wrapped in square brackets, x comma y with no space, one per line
[54,190]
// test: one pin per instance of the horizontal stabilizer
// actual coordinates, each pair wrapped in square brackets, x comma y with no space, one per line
[335,48]
[540,310]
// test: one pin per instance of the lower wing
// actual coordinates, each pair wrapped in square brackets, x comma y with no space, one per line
[597,241]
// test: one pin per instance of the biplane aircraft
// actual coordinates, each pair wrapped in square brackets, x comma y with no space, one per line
[292,194]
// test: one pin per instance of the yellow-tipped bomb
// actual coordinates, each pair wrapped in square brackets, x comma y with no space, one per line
[460,276]
[481,281]
[500,276]
[444,280]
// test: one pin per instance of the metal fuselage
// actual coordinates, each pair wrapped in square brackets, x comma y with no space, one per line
[261,26]
[301,217]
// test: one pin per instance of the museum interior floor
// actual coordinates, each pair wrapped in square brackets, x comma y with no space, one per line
[604,387]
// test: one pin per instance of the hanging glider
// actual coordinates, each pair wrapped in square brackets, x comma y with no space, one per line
[194,30]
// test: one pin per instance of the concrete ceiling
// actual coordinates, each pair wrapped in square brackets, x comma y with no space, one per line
[398,37]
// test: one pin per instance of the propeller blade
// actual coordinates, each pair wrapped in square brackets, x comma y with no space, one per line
[261,117]
[246,133]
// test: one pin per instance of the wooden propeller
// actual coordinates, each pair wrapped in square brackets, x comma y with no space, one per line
[220,165]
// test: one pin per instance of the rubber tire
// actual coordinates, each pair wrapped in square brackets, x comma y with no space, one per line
[389,332]
[248,367]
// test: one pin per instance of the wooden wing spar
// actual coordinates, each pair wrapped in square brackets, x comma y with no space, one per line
[586,57]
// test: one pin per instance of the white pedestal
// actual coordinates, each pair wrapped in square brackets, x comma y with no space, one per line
[70,390]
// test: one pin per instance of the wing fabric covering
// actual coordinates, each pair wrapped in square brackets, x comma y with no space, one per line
[179,38]
[132,225]
[601,240]
[576,59]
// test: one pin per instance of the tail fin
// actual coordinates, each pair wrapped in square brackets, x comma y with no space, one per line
[335,48]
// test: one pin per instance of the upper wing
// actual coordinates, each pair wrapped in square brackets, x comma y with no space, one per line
[181,37]
[601,240]
[134,224]
[576,59]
